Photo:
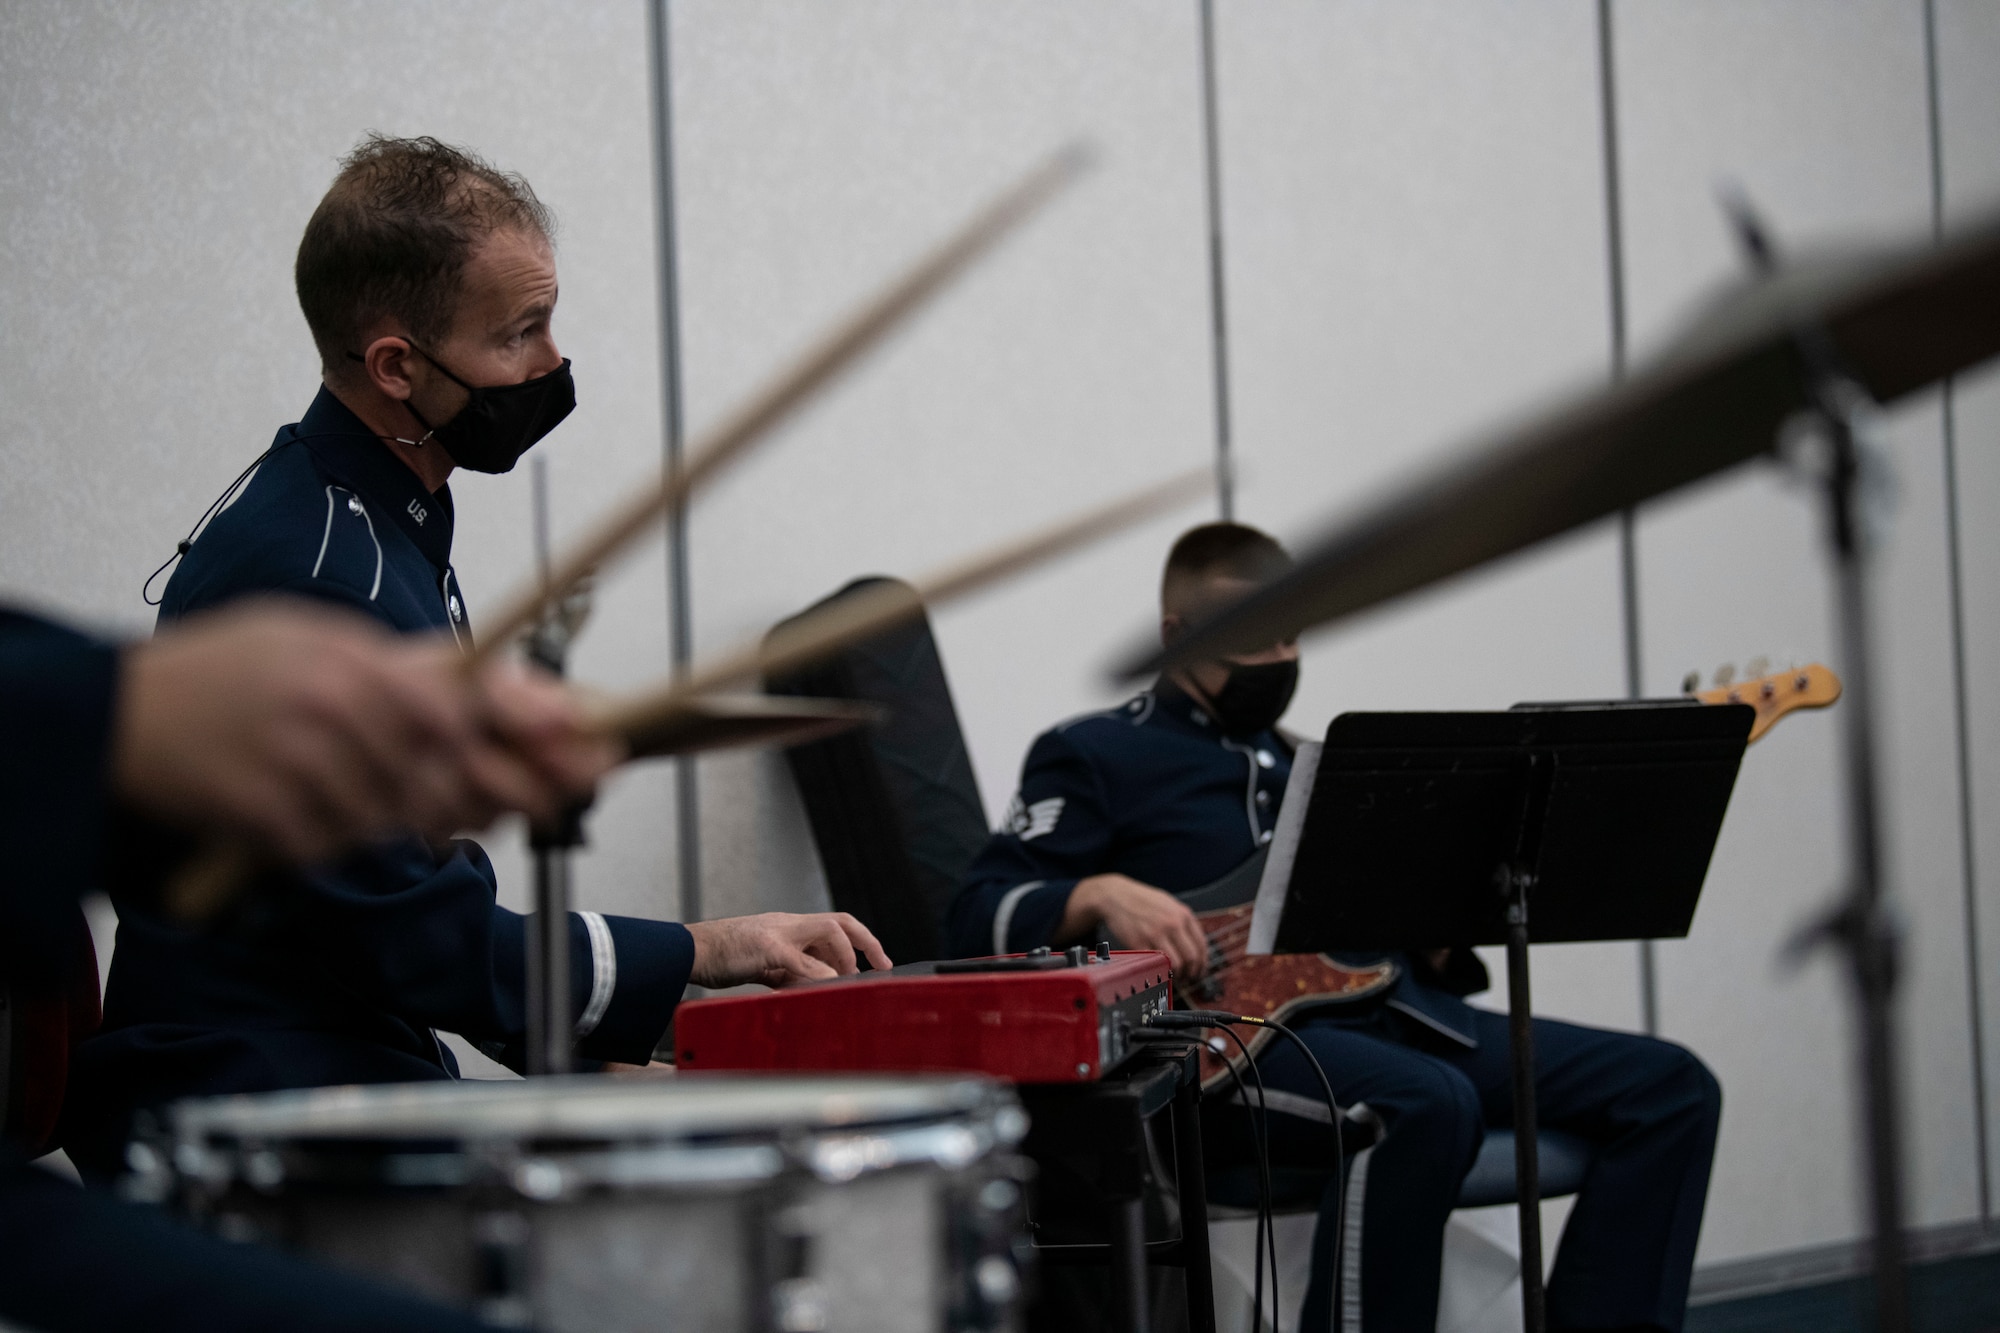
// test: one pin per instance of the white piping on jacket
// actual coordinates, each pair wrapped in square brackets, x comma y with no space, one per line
[1003,917]
[603,972]
[327,536]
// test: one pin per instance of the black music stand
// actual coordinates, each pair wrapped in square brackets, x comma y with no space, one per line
[1551,822]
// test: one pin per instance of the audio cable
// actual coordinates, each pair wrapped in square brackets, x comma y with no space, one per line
[1266,1230]
[1182,1019]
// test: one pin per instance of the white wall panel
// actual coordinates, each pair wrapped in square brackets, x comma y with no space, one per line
[820,148]
[1415,236]
[1818,112]
[1414,210]
[1969,102]
[157,165]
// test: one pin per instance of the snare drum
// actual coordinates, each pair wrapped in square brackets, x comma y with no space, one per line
[705,1202]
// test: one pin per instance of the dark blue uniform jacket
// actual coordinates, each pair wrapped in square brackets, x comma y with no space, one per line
[56,695]
[341,975]
[1152,789]
[79,1261]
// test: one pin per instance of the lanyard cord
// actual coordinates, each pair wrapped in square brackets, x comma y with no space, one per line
[181,546]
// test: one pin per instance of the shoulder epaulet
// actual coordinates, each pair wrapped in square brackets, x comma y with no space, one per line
[291,526]
[350,552]
[1132,713]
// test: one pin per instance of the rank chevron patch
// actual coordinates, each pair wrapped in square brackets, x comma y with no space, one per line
[1028,822]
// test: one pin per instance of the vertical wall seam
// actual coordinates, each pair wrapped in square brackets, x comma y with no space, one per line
[1225,463]
[680,614]
[1975,1002]
[1628,519]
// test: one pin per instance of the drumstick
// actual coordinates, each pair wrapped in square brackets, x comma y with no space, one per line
[755,419]
[214,876]
[883,607]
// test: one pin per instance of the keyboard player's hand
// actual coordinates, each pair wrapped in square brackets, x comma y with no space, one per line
[778,948]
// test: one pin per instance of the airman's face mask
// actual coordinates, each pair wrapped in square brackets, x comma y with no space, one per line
[1255,697]
[499,422]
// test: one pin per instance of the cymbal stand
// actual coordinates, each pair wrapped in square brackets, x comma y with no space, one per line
[1860,923]
[551,1024]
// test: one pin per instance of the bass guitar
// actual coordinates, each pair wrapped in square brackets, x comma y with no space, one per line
[1277,986]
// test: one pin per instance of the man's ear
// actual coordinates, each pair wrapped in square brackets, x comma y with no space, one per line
[386,364]
[1171,626]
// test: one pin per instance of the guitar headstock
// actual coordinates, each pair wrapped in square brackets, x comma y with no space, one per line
[1777,694]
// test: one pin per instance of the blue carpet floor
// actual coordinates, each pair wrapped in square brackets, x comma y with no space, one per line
[1949,1296]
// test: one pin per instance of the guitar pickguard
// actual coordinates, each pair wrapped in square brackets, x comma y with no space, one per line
[1270,986]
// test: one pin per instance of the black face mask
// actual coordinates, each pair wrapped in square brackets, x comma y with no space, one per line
[499,422]
[1255,697]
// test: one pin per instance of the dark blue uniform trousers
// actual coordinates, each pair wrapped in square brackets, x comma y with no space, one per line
[1649,1107]
[80,1261]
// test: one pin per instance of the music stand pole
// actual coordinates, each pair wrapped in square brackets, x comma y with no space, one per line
[1516,880]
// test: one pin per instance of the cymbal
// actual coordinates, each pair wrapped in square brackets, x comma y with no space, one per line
[738,721]
[1899,318]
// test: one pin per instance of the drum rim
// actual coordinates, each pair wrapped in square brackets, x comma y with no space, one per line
[275,1142]
[586,1108]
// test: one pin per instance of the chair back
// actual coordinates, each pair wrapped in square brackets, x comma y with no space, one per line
[41,1022]
[894,808]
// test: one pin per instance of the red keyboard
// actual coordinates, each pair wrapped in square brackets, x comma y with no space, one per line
[1040,1017]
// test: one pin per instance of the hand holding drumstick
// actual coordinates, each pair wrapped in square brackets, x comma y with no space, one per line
[301,731]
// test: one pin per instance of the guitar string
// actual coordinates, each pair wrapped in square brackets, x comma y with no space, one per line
[1240,924]
[1231,964]
[1222,940]
[1228,938]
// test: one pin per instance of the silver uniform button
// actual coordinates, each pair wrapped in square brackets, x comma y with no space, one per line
[1263,798]
[1265,759]
[1200,718]
[1265,836]
[457,612]
[354,506]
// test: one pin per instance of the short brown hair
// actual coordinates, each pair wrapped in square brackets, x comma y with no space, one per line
[1219,550]
[394,233]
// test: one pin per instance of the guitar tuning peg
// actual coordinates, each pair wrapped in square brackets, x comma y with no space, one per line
[1691,682]
[1725,674]
[1757,666]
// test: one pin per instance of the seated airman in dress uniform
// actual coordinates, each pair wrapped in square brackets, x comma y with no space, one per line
[1120,811]
[258,723]
[429,284]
